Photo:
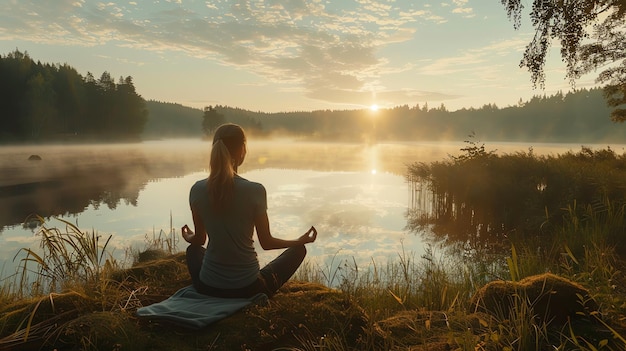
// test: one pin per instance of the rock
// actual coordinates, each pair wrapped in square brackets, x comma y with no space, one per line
[550,298]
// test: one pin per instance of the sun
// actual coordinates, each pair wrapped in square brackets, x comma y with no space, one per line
[374,107]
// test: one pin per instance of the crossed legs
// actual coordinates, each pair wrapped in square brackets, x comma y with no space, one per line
[271,277]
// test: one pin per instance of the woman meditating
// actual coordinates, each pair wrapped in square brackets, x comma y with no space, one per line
[227,209]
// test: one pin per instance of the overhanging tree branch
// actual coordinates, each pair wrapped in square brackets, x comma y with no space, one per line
[592,35]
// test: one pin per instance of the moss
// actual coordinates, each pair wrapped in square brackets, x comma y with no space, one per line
[164,275]
[151,255]
[549,297]
[101,331]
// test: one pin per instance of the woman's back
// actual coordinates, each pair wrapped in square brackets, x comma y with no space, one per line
[231,260]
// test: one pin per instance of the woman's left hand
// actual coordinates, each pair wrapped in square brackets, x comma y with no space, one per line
[309,236]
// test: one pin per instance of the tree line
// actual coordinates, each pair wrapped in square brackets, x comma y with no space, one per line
[43,102]
[576,116]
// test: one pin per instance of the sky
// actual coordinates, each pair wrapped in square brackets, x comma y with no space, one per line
[290,55]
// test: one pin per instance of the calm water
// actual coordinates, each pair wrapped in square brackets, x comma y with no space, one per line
[355,194]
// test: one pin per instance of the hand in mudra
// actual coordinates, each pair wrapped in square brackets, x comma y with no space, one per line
[309,236]
[187,233]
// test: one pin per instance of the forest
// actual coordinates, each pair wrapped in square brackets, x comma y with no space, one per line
[53,102]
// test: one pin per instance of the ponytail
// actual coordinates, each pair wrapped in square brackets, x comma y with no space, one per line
[228,139]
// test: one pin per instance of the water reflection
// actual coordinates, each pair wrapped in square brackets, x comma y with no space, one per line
[70,179]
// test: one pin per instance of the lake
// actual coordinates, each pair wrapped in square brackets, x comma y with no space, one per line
[356,195]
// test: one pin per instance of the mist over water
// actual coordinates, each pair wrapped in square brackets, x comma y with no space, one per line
[355,194]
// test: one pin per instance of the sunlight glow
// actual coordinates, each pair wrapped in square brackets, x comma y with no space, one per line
[373,171]
[374,107]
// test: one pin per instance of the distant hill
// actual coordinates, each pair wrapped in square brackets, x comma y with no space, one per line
[170,120]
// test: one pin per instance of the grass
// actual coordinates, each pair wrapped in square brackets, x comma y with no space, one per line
[410,303]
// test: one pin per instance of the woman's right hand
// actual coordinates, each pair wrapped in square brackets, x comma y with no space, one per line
[187,233]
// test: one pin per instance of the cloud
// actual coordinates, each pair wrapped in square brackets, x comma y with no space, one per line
[329,52]
[460,8]
[473,60]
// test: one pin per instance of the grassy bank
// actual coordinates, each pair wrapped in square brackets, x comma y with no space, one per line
[414,303]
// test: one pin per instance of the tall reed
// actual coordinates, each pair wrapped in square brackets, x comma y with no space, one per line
[67,258]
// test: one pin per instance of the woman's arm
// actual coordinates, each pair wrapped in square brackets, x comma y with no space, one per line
[268,242]
[199,237]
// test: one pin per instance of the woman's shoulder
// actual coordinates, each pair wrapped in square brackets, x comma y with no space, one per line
[249,184]
[200,184]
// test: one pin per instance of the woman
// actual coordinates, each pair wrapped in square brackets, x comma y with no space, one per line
[227,209]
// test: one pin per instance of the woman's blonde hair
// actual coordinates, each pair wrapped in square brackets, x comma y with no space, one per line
[228,140]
